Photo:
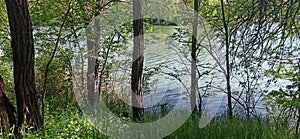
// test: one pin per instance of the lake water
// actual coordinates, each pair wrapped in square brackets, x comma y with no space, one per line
[170,93]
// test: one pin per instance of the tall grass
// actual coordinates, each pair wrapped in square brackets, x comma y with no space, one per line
[236,128]
[69,122]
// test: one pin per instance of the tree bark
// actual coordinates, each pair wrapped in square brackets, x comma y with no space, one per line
[23,61]
[138,58]
[194,59]
[91,66]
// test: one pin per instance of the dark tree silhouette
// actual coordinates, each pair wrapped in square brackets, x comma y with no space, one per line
[227,61]
[23,60]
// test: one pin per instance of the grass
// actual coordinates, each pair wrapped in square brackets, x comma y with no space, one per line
[158,33]
[163,29]
[237,128]
[71,124]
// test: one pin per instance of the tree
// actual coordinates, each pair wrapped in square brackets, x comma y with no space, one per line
[95,74]
[227,60]
[92,69]
[194,60]
[23,61]
[138,59]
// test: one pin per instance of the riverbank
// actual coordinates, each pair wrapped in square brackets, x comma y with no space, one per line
[67,122]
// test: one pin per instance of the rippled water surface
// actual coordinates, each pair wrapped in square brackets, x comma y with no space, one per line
[164,91]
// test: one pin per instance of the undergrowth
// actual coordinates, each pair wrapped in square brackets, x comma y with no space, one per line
[67,121]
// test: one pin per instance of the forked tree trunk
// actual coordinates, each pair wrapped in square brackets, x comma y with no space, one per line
[138,59]
[23,60]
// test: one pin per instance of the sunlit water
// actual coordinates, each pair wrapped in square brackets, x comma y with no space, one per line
[164,92]
[167,92]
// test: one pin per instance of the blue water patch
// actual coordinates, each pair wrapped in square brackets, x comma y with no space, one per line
[215,105]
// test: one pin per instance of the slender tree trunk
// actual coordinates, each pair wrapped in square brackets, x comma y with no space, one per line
[92,33]
[91,66]
[194,60]
[298,121]
[200,103]
[98,77]
[51,59]
[227,61]
[23,60]
[138,59]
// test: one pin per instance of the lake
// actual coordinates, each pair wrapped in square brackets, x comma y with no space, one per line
[162,58]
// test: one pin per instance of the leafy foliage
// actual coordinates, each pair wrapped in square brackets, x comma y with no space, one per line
[264,45]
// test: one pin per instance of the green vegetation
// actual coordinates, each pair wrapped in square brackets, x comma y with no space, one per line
[235,128]
[252,45]
[69,123]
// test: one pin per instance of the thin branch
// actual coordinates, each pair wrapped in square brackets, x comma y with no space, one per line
[52,57]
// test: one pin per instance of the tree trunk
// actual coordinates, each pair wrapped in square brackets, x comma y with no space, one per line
[137,63]
[23,60]
[227,61]
[298,121]
[91,66]
[193,65]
